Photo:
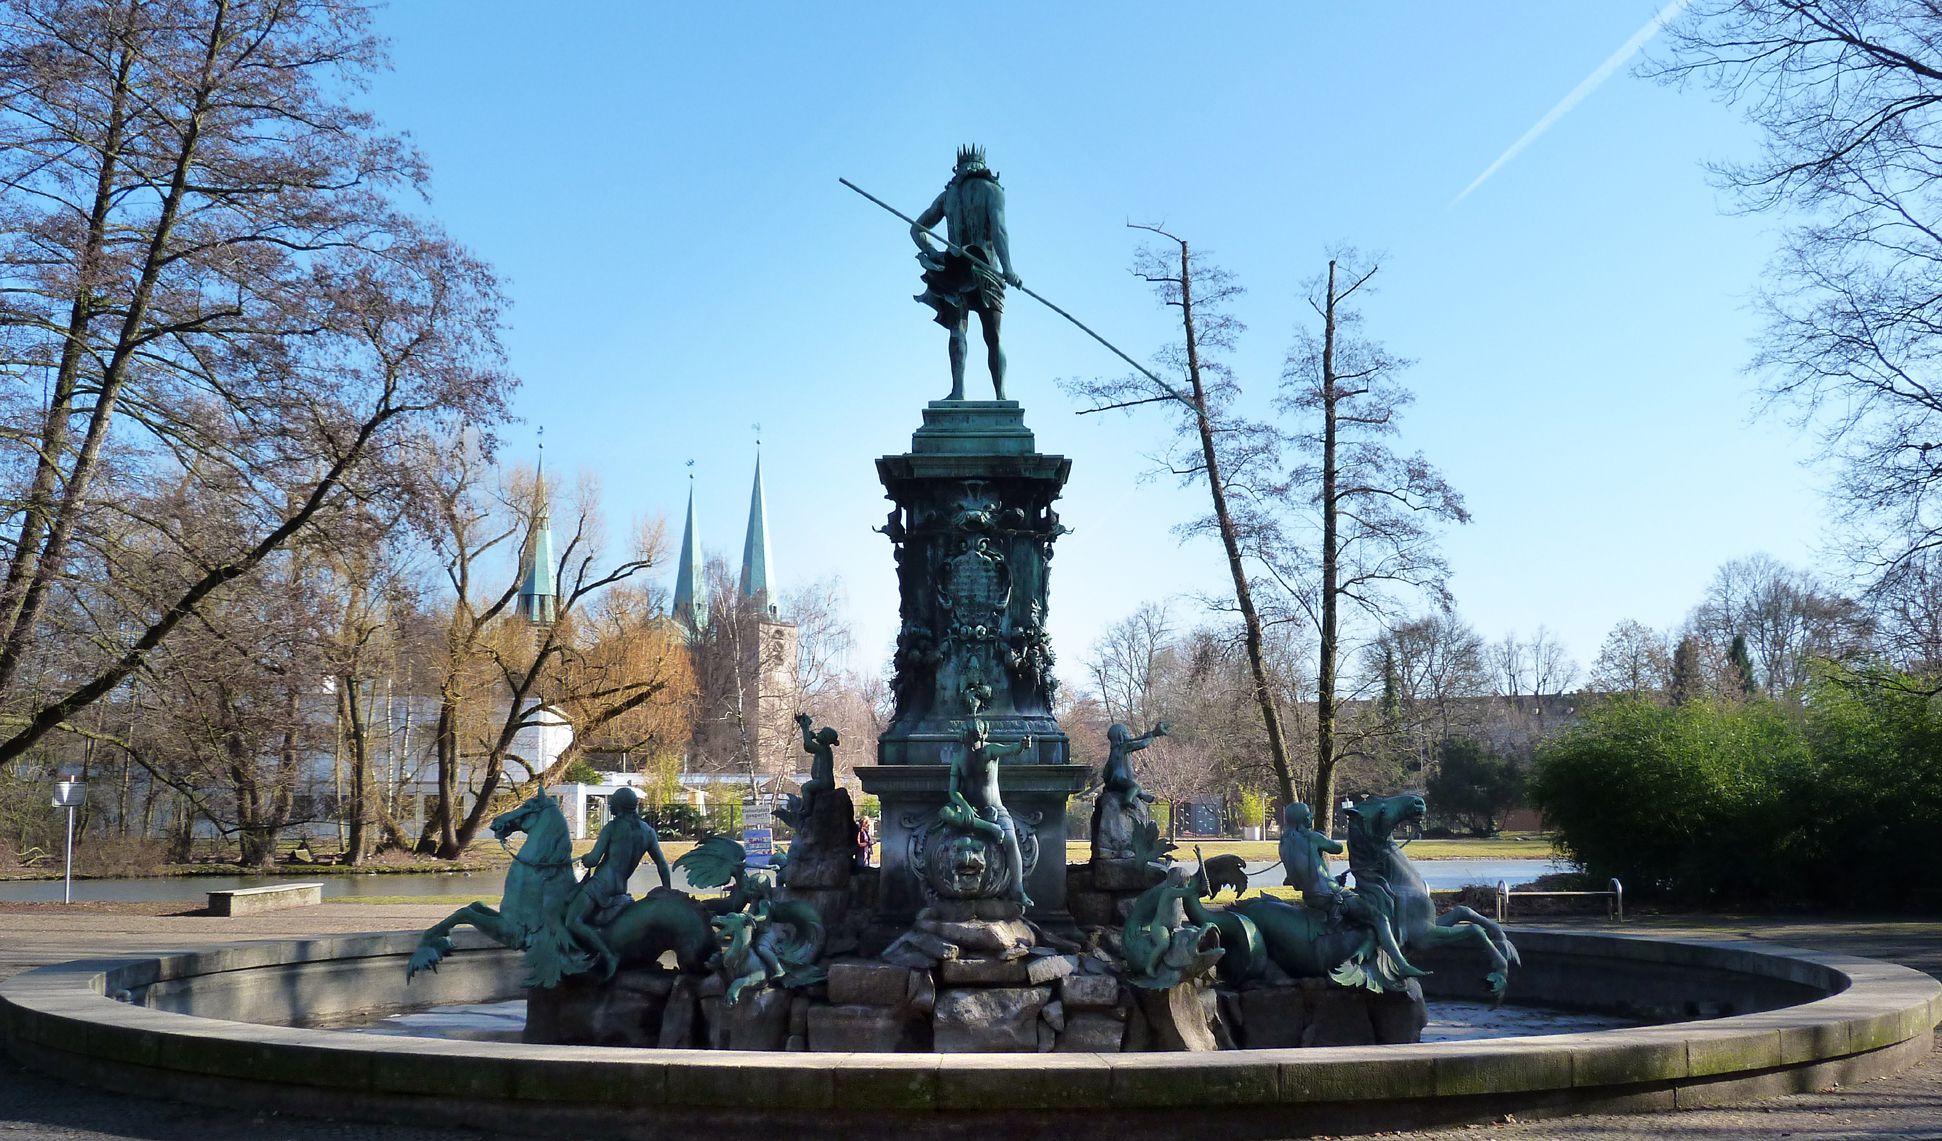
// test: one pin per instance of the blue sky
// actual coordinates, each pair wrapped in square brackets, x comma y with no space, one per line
[658,184]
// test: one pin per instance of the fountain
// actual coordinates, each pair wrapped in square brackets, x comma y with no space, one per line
[975,980]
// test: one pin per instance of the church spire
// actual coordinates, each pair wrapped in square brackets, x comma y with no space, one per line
[755,549]
[539,595]
[690,607]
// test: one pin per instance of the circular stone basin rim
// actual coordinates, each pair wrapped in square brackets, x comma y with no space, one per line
[1875,1018]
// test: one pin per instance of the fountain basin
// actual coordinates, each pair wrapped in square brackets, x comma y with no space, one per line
[202,1027]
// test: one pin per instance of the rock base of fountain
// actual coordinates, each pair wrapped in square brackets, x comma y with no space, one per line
[1040,1000]
[1315,1012]
[1101,892]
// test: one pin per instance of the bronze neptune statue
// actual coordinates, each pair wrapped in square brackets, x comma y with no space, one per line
[973,272]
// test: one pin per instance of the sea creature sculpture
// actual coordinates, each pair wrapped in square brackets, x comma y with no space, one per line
[754,954]
[540,892]
[1356,936]
[1304,855]
[1384,875]
[719,861]
[1169,937]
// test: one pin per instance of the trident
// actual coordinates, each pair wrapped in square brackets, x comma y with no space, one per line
[1040,298]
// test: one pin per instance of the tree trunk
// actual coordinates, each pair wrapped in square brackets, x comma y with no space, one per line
[37,517]
[1236,569]
[445,812]
[360,795]
[1330,651]
[48,567]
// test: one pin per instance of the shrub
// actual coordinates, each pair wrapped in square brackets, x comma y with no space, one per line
[1252,811]
[581,771]
[1836,803]
[1666,798]
[1870,809]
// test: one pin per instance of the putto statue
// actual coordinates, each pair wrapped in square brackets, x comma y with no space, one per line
[823,817]
[1120,817]
[821,746]
[975,807]
[1169,937]
[973,273]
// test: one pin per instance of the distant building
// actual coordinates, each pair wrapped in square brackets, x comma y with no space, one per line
[763,687]
[539,592]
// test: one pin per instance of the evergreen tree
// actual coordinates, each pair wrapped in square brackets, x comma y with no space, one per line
[1742,663]
[1687,682]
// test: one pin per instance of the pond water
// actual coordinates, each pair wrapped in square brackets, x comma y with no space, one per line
[1450,1021]
[1436,873]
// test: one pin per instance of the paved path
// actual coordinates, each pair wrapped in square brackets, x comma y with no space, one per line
[35,1108]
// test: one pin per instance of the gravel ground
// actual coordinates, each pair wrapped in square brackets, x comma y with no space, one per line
[37,1108]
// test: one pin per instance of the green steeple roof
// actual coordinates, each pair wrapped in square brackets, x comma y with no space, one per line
[539,594]
[755,549]
[690,608]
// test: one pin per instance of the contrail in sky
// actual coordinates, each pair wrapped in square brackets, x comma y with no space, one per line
[1590,84]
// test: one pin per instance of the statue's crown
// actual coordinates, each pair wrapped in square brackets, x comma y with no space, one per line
[970,155]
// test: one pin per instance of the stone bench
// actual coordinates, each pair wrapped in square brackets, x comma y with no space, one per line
[256,900]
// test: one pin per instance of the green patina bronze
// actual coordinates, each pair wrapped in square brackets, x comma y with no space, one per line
[821,747]
[1357,937]
[1170,938]
[624,842]
[975,806]
[969,275]
[1385,876]
[1304,854]
[542,894]
[762,941]
[1121,820]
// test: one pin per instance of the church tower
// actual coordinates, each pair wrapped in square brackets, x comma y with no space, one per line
[755,548]
[539,594]
[771,674]
[690,607]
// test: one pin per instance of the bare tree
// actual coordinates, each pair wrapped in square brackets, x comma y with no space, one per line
[1426,669]
[1374,510]
[1846,93]
[623,678]
[235,717]
[1233,457]
[731,662]
[1788,618]
[1635,660]
[1540,667]
[501,676]
[1129,665]
[1907,608]
[202,260]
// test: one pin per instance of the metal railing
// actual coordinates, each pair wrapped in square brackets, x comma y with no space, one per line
[1614,907]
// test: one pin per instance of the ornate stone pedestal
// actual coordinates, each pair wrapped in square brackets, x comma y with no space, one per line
[973,529]
[1035,795]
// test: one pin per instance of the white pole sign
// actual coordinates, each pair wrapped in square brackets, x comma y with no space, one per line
[69,794]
